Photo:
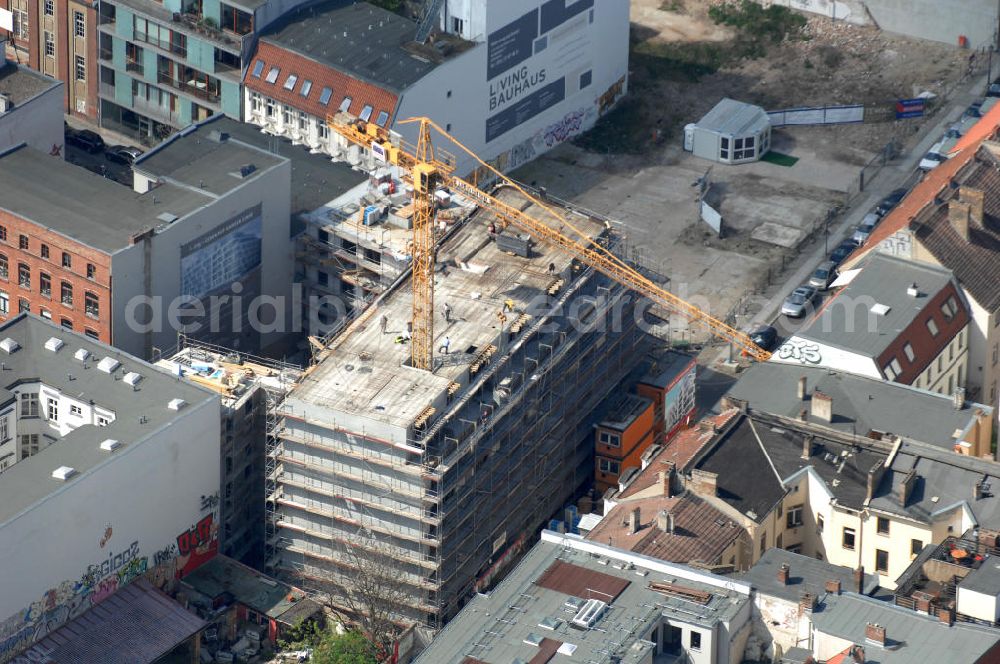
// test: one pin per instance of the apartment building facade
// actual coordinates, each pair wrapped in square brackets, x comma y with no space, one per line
[58,38]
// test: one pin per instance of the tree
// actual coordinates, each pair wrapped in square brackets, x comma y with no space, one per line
[351,647]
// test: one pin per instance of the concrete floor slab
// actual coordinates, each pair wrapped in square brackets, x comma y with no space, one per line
[772,233]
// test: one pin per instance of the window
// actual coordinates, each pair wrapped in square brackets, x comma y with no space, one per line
[3,267]
[608,466]
[20,24]
[272,75]
[382,118]
[81,68]
[67,323]
[52,409]
[29,404]
[91,333]
[66,294]
[258,68]
[23,306]
[932,327]
[908,351]
[4,303]
[819,523]
[4,429]
[75,410]
[270,108]
[882,525]
[67,260]
[609,439]
[3,233]
[345,106]
[91,305]
[45,313]
[22,241]
[102,421]
[91,270]
[306,87]
[586,78]
[763,542]
[848,541]
[290,81]
[881,561]
[49,7]
[893,369]
[45,251]
[794,517]
[724,143]
[695,640]
[366,112]
[324,96]
[323,130]
[29,445]
[916,546]
[79,26]
[50,45]
[457,25]
[323,278]
[44,284]
[23,275]
[303,120]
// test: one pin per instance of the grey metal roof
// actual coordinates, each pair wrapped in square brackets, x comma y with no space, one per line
[489,630]
[316,179]
[945,480]
[667,368]
[910,636]
[138,624]
[734,117]
[806,574]
[984,580]
[139,411]
[860,405]
[846,320]
[22,84]
[357,38]
[206,160]
[82,205]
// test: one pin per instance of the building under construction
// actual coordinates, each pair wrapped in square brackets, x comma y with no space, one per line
[448,474]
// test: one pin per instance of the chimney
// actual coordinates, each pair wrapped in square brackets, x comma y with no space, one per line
[958,217]
[633,521]
[958,398]
[977,490]
[822,406]
[912,290]
[875,633]
[807,603]
[804,415]
[667,481]
[800,392]
[874,479]
[975,199]
[665,521]
[859,580]
[783,573]
[807,447]
[832,587]
[707,425]
[946,614]
[906,487]
[858,654]
[704,482]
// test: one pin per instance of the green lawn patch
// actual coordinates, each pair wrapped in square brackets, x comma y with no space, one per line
[779,159]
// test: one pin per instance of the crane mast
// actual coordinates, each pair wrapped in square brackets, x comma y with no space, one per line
[430,170]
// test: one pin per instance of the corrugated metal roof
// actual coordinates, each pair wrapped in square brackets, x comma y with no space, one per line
[734,117]
[136,625]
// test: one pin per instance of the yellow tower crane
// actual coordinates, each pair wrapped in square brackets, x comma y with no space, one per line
[428,170]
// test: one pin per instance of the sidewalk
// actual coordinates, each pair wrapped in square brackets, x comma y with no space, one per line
[892,176]
[110,137]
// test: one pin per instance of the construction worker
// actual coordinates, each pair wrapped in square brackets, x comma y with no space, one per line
[409,330]
[447,312]
[508,304]
[384,323]
[445,345]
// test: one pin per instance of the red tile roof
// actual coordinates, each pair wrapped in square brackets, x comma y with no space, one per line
[321,76]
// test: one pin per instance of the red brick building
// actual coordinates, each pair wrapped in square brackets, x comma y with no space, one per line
[59,39]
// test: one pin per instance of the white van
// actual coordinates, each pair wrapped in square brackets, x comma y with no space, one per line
[933,158]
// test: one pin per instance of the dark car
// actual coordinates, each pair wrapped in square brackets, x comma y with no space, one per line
[994,90]
[122,154]
[766,337]
[890,201]
[86,140]
[974,110]
[842,251]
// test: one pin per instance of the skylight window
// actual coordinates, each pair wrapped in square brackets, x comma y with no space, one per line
[324,97]
[345,105]
[366,113]
[290,81]
[306,87]
[258,68]
[382,118]
[272,75]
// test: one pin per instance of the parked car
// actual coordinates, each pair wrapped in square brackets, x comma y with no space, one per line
[994,90]
[842,251]
[974,110]
[122,154]
[85,140]
[823,276]
[798,300]
[766,337]
[865,228]
[933,157]
[891,201]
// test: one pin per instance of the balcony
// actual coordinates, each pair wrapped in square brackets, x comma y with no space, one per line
[106,90]
[155,111]
[209,29]
[194,88]
[105,54]
[134,67]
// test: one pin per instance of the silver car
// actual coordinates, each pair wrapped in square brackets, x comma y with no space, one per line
[865,229]
[798,301]
[823,276]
